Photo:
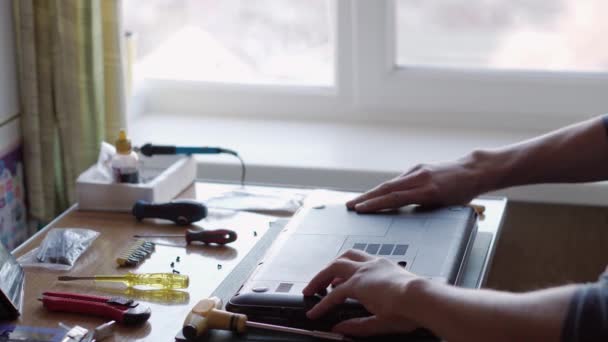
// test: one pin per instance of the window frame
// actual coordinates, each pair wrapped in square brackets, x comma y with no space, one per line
[369,86]
[263,100]
[468,95]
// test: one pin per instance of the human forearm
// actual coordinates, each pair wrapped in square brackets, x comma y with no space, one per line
[578,153]
[457,314]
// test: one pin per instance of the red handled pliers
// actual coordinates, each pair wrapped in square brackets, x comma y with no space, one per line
[119,309]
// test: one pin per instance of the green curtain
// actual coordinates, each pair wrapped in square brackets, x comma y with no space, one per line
[70,67]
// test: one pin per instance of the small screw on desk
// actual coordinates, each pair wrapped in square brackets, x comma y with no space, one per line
[255,233]
[172,264]
[176,271]
[219,266]
[177,259]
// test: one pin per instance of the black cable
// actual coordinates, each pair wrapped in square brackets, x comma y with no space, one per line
[234,153]
[243,170]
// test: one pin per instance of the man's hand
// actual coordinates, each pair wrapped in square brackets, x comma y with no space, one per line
[572,154]
[428,185]
[377,283]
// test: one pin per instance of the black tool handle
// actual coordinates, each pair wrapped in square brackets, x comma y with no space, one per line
[218,236]
[182,212]
[149,150]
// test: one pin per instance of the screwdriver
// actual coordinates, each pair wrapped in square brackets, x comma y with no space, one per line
[207,314]
[218,236]
[155,280]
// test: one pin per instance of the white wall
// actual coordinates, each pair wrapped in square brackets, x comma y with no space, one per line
[8,79]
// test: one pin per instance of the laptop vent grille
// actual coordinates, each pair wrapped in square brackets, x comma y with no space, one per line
[284,287]
[360,246]
[381,249]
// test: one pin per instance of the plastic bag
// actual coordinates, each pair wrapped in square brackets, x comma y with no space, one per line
[104,161]
[256,201]
[60,249]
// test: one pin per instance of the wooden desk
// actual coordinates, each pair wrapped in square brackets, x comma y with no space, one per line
[207,266]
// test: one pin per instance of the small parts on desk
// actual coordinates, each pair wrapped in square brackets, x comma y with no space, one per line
[60,249]
[153,280]
[182,212]
[207,315]
[121,310]
[173,267]
[135,254]
[217,236]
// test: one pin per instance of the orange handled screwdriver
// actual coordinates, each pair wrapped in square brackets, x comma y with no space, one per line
[207,315]
[218,236]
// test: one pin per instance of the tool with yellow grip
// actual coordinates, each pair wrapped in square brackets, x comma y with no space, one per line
[154,280]
[207,315]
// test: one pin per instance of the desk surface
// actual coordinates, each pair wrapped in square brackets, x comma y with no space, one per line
[205,265]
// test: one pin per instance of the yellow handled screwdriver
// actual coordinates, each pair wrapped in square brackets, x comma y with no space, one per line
[155,280]
[207,315]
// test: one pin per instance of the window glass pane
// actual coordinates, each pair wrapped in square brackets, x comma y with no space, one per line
[233,41]
[507,34]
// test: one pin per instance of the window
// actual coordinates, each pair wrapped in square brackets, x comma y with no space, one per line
[564,35]
[233,41]
[489,62]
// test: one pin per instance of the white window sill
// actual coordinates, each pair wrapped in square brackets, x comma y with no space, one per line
[337,155]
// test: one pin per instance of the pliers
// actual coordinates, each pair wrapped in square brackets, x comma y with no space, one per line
[121,310]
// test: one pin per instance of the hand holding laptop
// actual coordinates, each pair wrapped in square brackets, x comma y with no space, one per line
[377,283]
[451,183]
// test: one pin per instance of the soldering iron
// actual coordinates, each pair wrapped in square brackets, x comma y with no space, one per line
[150,150]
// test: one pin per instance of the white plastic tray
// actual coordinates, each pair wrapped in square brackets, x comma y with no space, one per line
[161,185]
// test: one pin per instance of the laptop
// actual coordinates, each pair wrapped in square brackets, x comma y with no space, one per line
[430,243]
[11,285]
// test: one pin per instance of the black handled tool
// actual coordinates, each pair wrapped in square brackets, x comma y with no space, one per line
[218,236]
[182,212]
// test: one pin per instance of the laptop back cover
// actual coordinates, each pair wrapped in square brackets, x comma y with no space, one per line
[430,243]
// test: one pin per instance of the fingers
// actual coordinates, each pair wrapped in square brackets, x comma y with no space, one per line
[356,255]
[337,281]
[337,272]
[372,325]
[411,180]
[335,297]
[393,200]
[341,268]
[380,190]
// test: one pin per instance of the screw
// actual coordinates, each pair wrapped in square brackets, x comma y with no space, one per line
[177,259]
[172,265]
[255,233]
[219,266]
[176,271]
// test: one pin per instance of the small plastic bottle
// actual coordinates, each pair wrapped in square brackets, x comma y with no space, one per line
[125,162]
